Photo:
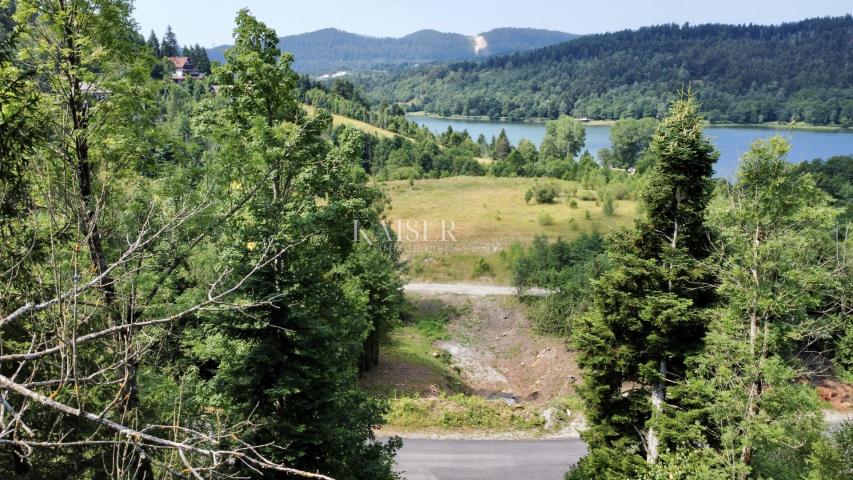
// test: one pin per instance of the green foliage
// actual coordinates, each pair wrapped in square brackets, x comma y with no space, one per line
[633,74]
[545,219]
[608,207]
[568,268]
[697,464]
[482,269]
[564,138]
[461,412]
[169,47]
[321,309]
[778,276]
[832,457]
[835,177]
[647,311]
[502,147]
[629,140]
[546,193]
[844,352]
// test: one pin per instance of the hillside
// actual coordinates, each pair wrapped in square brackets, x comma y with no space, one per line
[745,73]
[331,50]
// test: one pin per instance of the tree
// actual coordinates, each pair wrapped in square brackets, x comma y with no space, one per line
[502,147]
[201,60]
[629,139]
[163,294]
[81,319]
[834,176]
[649,311]
[169,47]
[564,138]
[781,282]
[292,363]
[154,44]
[528,151]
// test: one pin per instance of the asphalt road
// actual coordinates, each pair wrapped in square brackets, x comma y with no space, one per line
[422,459]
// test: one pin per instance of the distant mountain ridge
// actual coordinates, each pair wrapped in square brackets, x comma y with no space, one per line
[796,71]
[330,49]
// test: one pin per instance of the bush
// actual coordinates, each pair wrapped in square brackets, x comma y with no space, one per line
[608,207]
[545,219]
[588,195]
[586,215]
[546,193]
[528,195]
[573,203]
[620,192]
[844,353]
[482,269]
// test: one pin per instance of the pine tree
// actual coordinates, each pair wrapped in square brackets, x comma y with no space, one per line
[502,146]
[649,310]
[781,283]
[291,363]
[154,44]
[201,60]
[169,46]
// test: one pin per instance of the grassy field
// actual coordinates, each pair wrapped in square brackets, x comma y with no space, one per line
[363,126]
[487,215]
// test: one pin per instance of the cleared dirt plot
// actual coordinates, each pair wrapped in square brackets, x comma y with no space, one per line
[475,366]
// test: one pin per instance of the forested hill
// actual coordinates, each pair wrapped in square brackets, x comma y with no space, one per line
[331,50]
[747,73]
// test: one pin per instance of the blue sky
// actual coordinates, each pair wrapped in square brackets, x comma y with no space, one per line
[211,22]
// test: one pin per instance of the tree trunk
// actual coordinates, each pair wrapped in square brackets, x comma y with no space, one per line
[78,110]
[755,386]
[658,394]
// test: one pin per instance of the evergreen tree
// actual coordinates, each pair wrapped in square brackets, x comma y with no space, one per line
[292,361]
[169,47]
[782,282]
[154,44]
[502,147]
[201,60]
[649,310]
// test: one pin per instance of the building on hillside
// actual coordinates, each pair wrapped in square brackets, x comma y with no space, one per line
[94,91]
[184,69]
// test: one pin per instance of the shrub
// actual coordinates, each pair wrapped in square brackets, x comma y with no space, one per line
[482,269]
[620,192]
[608,207]
[588,195]
[528,195]
[546,193]
[545,219]
[844,353]
[573,203]
[586,215]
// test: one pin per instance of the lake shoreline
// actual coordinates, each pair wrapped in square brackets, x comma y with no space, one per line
[535,121]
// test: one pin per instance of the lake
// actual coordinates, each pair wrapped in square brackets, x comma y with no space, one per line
[732,142]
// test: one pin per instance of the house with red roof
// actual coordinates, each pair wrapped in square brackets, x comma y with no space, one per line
[184,68]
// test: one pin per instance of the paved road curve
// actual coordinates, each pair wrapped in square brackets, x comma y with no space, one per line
[422,459]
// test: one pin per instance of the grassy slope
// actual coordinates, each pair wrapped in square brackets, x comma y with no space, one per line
[363,126]
[489,215]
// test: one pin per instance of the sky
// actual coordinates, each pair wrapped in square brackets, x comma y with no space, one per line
[211,23]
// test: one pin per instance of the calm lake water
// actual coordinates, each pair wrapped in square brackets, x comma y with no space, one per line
[731,142]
